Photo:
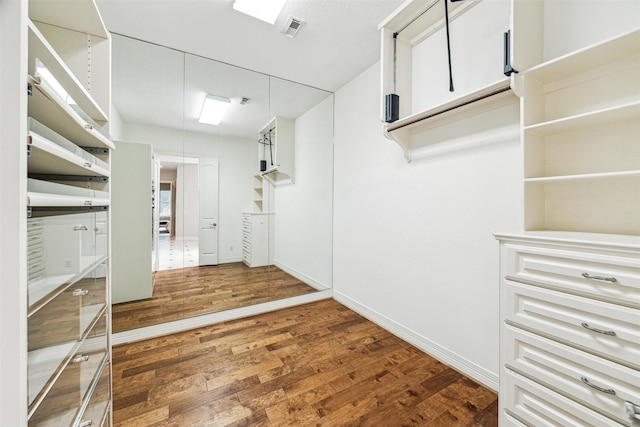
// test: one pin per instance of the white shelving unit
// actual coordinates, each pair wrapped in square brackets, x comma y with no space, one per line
[277,149]
[580,128]
[260,194]
[67,201]
[570,283]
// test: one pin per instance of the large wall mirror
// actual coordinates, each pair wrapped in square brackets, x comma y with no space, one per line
[207,218]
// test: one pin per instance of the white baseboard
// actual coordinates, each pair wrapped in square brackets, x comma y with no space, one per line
[208,319]
[301,276]
[229,260]
[454,360]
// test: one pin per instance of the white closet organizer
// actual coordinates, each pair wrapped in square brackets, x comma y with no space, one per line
[414,65]
[570,283]
[67,201]
[276,149]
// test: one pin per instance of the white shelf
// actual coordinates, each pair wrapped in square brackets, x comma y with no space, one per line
[47,157]
[65,13]
[608,51]
[57,200]
[626,112]
[60,117]
[585,177]
[41,49]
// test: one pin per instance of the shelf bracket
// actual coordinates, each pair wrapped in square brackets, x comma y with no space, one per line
[402,138]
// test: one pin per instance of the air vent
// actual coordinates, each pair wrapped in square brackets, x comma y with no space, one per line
[292,26]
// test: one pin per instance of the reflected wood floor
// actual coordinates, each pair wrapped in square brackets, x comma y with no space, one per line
[187,292]
[319,364]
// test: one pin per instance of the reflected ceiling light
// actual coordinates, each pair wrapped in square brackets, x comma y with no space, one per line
[265,10]
[213,109]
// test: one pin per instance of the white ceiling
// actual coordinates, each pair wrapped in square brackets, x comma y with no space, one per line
[157,86]
[338,40]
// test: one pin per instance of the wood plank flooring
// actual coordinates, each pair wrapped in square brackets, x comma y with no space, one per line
[319,364]
[187,292]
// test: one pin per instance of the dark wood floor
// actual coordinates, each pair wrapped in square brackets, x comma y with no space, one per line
[191,291]
[318,364]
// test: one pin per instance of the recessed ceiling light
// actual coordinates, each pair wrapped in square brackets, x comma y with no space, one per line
[265,10]
[213,109]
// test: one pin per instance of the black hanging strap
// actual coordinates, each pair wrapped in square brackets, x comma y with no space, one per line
[446,21]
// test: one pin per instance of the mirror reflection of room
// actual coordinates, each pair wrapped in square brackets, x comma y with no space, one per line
[208,218]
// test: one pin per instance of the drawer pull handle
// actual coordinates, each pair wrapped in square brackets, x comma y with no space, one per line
[81,358]
[600,331]
[80,228]
[606,279]
[85,423]
[604,390]
[80,292]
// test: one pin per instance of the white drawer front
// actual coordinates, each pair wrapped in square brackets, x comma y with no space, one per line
[598,383]
[610,278]
[536,405]
[606,329]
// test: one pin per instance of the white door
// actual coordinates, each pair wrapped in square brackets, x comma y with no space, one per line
[208,234]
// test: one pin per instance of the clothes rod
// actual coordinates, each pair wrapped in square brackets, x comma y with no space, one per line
[445,109]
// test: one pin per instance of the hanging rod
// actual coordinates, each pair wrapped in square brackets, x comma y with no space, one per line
[491,91]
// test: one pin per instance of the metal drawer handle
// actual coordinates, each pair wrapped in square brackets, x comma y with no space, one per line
[80,228]
[604,390]
[85,423]
[81,358]
[600,331]
[606,279]
[80,292]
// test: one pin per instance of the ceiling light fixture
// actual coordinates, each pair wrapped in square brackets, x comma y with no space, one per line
[265,10]
[213,109]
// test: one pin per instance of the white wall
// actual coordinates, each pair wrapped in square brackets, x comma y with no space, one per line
[303,219]
[237,164]
[413,243]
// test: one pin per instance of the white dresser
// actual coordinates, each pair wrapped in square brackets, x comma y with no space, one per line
[570,329]
[255,238]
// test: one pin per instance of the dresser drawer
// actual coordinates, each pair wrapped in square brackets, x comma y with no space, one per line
[590,380]
[34,239]
[71,388]
[608,330]
[66,317]
[536,405]
[99,401]
[610,278]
